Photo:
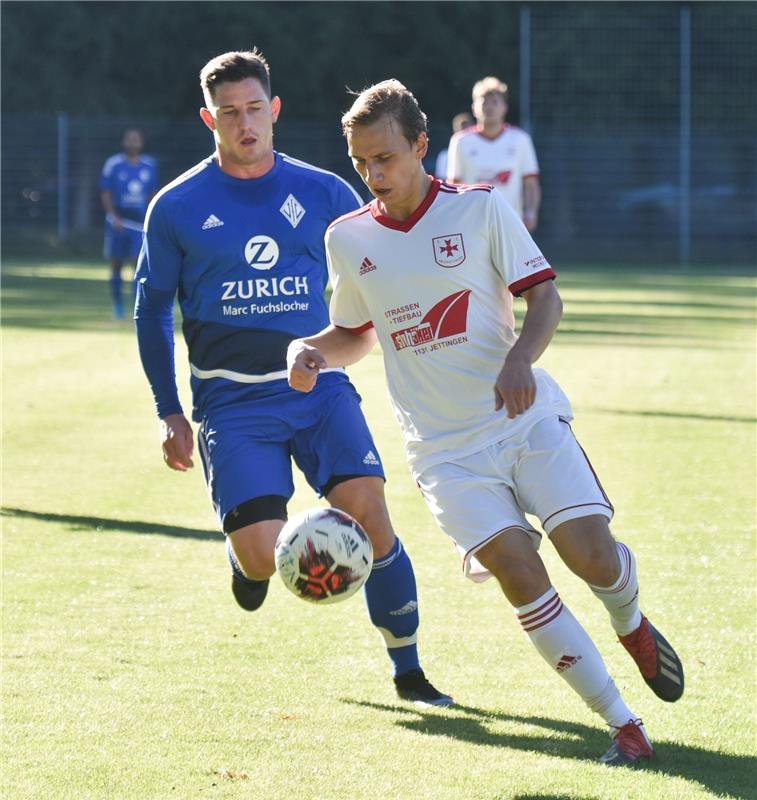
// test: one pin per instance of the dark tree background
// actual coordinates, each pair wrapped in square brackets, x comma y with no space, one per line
[144,57]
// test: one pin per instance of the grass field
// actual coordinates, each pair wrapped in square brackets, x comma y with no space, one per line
[129,673]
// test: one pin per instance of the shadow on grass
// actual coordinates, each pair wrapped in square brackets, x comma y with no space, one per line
[721,773]
[668,414]
[82,523]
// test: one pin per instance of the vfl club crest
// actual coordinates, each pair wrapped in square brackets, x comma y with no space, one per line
[449,251]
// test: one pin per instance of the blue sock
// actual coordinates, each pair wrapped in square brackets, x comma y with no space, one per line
[115,288]
[392,601]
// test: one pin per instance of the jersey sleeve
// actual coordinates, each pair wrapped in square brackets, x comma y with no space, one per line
[160,260]
[153,183]
[529,163]
[157,278]
[514,253]
[455,168]
[105,184]
[347,308]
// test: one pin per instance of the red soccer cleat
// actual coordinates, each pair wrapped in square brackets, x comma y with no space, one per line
[656,659]
[629,744]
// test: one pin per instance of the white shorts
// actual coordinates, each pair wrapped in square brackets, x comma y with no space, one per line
[543,472]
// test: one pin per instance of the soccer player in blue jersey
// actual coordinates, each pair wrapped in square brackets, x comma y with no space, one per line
[127,184]
[240,237]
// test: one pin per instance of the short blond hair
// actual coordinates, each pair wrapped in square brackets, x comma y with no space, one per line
[488,85]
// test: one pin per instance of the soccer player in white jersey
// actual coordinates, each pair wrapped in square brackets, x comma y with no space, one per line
[240,239]
[497,153]
[429,269]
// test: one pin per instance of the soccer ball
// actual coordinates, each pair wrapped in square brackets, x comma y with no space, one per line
[323,555]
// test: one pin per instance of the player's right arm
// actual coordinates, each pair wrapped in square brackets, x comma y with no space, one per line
[332,347]
[106,193]
[106,197]
[157,279]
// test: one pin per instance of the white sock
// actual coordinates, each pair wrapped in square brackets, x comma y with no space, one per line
[622,598]
[567,648]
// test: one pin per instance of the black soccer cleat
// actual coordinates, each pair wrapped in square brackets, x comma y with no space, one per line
[656,659]
[414,686]
[249,594]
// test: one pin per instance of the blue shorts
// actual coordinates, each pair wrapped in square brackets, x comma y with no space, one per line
[123,245]
[246,449]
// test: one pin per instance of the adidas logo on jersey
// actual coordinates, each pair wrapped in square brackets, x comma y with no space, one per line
[370,458]
[566,662]
[366,265]
[292,210]
[211,222]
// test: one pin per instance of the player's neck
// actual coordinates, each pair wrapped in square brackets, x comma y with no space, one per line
[245,171]
[133,158]
[406,208]
[491,130]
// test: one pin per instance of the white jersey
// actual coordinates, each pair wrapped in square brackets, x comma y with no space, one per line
[503,162]
[438,289]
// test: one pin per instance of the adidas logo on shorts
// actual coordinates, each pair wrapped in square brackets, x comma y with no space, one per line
[370,458]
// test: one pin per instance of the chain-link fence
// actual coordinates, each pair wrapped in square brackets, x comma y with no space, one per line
[645,125]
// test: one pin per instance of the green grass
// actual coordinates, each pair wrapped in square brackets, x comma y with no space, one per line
[129,673]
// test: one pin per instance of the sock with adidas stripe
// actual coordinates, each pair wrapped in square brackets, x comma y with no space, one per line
[392,601]
[568,649]
[622,598]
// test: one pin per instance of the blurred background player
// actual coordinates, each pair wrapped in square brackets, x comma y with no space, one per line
[497,153]
[240,236]
[127,184]
[460,122]
[487,437]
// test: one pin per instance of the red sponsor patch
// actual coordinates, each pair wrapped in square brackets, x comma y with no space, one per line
[449,317]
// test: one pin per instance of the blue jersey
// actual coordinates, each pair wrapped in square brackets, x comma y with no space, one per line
[247,258]
[131,185]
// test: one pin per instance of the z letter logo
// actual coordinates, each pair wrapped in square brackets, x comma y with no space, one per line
[261,252]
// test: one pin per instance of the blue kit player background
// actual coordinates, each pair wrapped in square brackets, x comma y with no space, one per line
[239,239]
[127,184]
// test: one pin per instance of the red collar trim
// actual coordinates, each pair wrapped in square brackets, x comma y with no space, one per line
[407,224]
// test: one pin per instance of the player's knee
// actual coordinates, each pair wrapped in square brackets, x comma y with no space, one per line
[597,563]
[521,581]
[363,499]
[514,562]
[254,549]
[588,549]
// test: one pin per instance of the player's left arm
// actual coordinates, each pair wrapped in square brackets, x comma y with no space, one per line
[515,387]
[531,185]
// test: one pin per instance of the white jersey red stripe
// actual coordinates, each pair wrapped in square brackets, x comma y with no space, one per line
[504,161]
[438,288]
